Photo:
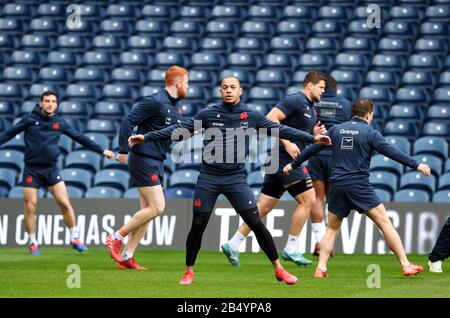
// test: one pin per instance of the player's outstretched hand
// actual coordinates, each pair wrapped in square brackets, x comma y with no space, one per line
[135,140]
[121,158]
[108,153]
[319,129]
[425,169]
[287,169]
[322,139]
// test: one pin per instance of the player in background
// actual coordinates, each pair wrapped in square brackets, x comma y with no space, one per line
[43,128]
[296,111]
[441,249]
[353,144]
[145,162]
[227,175]
[332,109]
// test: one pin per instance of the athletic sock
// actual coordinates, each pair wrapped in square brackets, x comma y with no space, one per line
[74,234]
[318,230]
[291,244]
[126,255]
[32,238]
[236,240]
[117,236]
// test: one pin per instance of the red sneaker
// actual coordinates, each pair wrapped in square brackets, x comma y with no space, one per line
[188,278]
[317,250]
[114,247]
[411,269]
[132,264]
[320,273]
[283,275]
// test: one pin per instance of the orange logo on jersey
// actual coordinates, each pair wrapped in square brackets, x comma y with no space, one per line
[55,126]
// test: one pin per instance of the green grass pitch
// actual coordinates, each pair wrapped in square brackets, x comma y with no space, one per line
[22,275]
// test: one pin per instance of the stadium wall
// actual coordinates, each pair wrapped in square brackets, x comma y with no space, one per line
[418,224]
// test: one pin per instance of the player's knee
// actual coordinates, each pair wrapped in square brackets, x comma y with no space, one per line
[30,206]
[156,208]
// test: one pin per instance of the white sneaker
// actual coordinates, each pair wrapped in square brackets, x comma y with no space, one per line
[435,267]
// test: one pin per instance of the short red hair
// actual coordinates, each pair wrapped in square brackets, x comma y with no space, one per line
[173,73]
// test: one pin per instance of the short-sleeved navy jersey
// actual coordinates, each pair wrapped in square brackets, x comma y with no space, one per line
[300,114]
[353,144]
[150,113]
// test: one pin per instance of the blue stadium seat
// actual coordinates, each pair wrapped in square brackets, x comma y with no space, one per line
[419,78]
[416,180]
[36,42]
[179,193]
[62,59]
[109,110]
[215,44]
[394,45]
[112,178]
[150,27]
[359,28]
[255,179]
[400,29]
[102,126]
[250,45]
[265,95]
[384,180]
[384,195]
[121,11]
[407,13]
[90,11]
[202,76]
[263,13]
[7,43]
[348,78]
[7,110]
[54,10]
[179,44]
[328,28]
[387,61]
[401,128]
[17,10]
[380,95]
[284,44]
[148,90]
[18,74]
[187,28]
[98,59]
[322,45]
[382,78]
[11,26]
[102,192]
[293,28]
[10,92]
[434,162]
[271,77]
[441,196]
[138,60]
[431,45]
[82,92]
[436,146]
[117,92]
[444,181]
[221,28]
[300,11]
[227,12]
[439,112]
[334,13]
[447,165]
[257,29]
[351,61]
[400,142]
[435,128]
[409,112]
[246,61]
[7,179]
[206,61]
[44,25]
[442,95]
[11,159]
[84,160]
[27,107]
[65,144]
[438,30]
[91,75]
[184,178]
[167,59]
[444,78]
[143,43]
[131,193]
[410,195]
[380,162]
[98,138]
[193,13]
[17,192]
[279,60]
[54,75]
[126,76]
[36,90]
[437,13]
[107,43]
[318,62]
[73,108]
[157,12]
[24,58]
[424,61]
[357,44]
[72,192]
[76,177]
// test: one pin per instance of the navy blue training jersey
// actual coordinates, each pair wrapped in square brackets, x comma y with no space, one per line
[150,113]
[353,144]
[41,137]
[227,120]
[332,109]
[300,114]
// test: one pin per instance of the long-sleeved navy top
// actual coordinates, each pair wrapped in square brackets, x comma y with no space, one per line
[332,109]
[300,114]
[229,121]
[150,113]
[42,135]
[353,144]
